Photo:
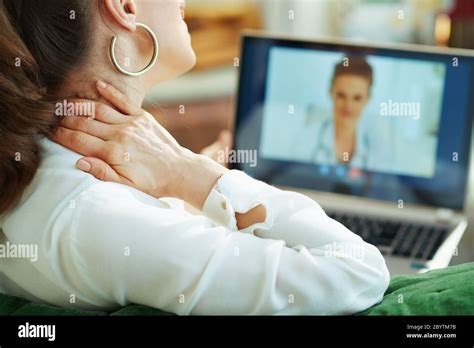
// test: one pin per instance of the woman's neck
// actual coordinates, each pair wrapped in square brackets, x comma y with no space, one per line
[82,81]
[345,139]
[344,129]
[83,86]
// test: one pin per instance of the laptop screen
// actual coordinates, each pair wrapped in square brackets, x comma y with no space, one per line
[380,123]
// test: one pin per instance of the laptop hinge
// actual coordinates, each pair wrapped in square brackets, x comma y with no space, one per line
[444,215]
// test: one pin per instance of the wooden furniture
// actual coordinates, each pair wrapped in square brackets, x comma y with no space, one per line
[201,123]
[215,29]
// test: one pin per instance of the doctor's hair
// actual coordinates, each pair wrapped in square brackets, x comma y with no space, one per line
[41,42]
[355,65]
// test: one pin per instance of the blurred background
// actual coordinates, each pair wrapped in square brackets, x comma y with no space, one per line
[198,105]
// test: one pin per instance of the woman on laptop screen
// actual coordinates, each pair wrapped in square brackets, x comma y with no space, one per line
[339,138]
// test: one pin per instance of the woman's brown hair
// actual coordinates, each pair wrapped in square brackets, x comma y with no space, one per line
[353,66]
[41,41]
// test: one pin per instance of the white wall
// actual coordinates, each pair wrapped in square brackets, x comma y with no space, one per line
[300,17]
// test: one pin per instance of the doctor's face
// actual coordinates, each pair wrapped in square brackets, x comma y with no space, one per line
[350,94]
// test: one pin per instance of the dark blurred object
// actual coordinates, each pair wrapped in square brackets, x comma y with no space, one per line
[215,30]
[462,24]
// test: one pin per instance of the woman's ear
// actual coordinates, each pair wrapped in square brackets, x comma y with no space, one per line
[123,12]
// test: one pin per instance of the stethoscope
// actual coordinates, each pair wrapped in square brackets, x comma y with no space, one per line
[323,149]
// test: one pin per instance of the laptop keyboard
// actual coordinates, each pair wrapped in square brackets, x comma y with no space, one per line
[411,240]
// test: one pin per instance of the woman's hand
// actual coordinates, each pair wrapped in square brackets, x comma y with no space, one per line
[130,147]
[219,150]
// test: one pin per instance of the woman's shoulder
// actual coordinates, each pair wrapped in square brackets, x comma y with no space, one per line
[59,191]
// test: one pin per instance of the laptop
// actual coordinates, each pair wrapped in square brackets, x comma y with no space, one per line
[378,135]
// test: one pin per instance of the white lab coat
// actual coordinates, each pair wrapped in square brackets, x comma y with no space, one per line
[315,142]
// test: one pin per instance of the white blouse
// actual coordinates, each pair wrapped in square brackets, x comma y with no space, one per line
[104,245]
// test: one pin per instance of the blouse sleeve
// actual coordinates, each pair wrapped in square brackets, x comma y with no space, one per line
[123,247]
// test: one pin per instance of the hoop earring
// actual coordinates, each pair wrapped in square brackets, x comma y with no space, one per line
[153,59]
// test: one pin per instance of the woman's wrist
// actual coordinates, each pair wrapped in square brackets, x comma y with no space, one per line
[198,177]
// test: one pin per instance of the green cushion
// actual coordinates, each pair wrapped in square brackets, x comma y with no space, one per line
[11,305]
[139,310]
[448,291]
